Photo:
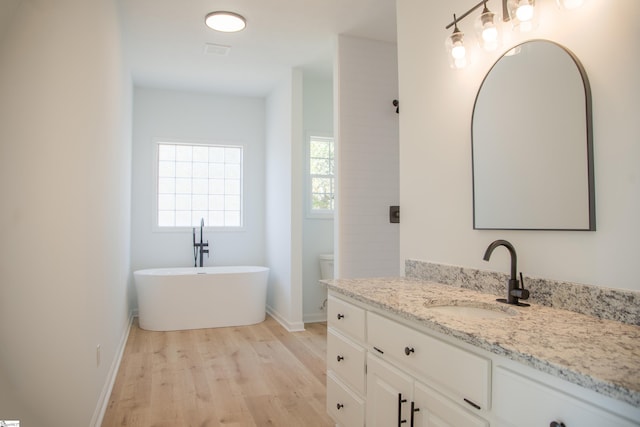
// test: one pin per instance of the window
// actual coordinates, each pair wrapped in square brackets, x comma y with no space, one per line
[199,182]
[321,175]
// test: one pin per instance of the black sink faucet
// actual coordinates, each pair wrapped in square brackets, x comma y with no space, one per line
[514,291]
[199,248]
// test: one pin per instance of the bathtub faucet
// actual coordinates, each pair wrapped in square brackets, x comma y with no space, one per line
[199,248]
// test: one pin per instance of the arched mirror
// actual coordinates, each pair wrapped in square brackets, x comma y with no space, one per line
[532,142]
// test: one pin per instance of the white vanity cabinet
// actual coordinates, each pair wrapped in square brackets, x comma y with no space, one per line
[346,363]
[521,401]
[384,371]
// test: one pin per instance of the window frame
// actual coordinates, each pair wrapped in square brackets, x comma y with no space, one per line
[209,143]
[312,213]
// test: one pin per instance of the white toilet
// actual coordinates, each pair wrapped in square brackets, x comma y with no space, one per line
[326,266]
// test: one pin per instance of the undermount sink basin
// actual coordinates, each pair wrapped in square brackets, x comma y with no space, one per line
[475,311]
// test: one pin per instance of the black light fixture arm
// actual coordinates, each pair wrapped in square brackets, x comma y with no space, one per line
[505,13]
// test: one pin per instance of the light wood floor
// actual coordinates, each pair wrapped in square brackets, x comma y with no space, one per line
[259,375]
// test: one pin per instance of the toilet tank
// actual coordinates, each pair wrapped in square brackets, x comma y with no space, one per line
[326,266]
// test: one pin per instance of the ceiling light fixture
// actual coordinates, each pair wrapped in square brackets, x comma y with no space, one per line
[227,22]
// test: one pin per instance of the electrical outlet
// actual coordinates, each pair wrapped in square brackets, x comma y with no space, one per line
[98,355]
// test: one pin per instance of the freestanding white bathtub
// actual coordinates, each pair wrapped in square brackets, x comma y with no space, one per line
[171,299]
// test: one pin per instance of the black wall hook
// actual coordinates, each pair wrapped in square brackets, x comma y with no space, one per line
[396,104]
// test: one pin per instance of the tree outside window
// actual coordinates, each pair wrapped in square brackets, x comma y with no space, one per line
[321,175]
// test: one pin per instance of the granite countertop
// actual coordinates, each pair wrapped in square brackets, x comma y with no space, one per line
[598,354]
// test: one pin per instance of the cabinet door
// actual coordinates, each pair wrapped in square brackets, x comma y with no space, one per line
[431,409]
[388,395]
[523,402]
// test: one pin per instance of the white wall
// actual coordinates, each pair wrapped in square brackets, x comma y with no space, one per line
[317,233]
[435,146]
[283,159]
[366,79]
[178,115]
[65,169]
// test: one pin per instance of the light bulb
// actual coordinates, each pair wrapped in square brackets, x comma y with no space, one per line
[524,12]
[460,62]
[455,47]
[488,30]
[490,34]
[458,51]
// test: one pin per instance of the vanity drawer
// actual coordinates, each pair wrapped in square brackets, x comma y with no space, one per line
[437,410]
[343,406]
[346,359]
[464,376]
[523,402]
[346,317]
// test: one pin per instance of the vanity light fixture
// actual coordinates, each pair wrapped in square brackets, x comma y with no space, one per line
[227,22]
[455,46]
[521,13]
[516,11]
[487,29]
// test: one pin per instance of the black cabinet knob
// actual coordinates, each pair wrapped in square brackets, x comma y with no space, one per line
[408,350]
[339,358]
[339,406]
[340,316]
[557,424]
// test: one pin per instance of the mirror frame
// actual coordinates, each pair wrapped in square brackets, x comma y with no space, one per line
[588,146]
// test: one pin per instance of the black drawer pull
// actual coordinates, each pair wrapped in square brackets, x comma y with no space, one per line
[472,404]
[557,424]
[339,358]
[340,316]
[413,411]
[408,350]
[400,402]
[378,350]
[339,406]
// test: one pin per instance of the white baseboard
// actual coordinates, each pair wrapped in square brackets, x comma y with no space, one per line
[289,326]
[103,401]
[315,317]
